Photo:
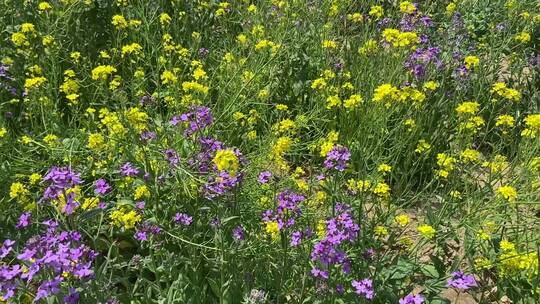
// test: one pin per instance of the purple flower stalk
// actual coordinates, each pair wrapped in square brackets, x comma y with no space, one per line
[364,288]
[101,187]
[128,169]
[238,233]
[412,299]
[183,219]
[60,179]
[461,281]
[197,119]
[264,177]
[337,158]
[24,220]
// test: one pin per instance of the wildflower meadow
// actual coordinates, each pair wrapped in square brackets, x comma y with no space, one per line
[270,151]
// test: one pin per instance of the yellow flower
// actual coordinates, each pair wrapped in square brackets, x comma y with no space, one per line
[523,37]
[3,132]
[285,126]
[382,189]
[127,220]
[194,86]
[355,17]
[502,90]
[407,7]
[470,155]
[96,141]
[130,49]
[398,38]
[199,73]
[468,107]
[272,228]
[19,39]
[251,135]
[471,62]
[47,40]
[119,22]
[28,28]
[505,121]
[141,192]
[353,101]
[165,19]
[385,93]
[281,107]
[509,193]
[507,246]
[34,82]
[329,44]
[90,203]
[102,72]
[34,178]
[321,228]
[328,144]
[18,190]
[455,194]
[333,101]
[451,8]
[431,85]
[168,77]
[50,139]
[44,6]
[427,231]
[380,231]
[376,11]
[318,83]
[369,48]
[137,118]
[532,123]
[25,139]
[242,39]
[384,168]
[422,146]
[226,160]
[402,220]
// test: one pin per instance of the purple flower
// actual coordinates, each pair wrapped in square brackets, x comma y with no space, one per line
[145,229]
[72,297]
[146,100]
[140,205]
[172,157]
[60,179]
[364,288]
[238,233]
[203,52]
[48,288]
[183,219]
[147,136]
[412,299]
[461,281]
[215,223]
[368,254]
[318,273]
[337,158]
[128,169]
[296,238]
[6,248]
[24,220]
[197,119]
[264,177]
[101,187]
[140,235]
